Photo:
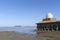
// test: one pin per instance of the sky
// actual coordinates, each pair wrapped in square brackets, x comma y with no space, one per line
[27,12]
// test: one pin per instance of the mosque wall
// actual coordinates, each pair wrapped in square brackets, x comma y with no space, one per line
[48,26]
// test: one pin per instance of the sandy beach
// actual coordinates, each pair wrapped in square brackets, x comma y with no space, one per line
[12,35]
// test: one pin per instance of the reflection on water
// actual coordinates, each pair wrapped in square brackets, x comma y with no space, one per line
[27,29]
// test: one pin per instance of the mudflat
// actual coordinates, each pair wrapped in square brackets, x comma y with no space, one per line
[55,35]
[12,35]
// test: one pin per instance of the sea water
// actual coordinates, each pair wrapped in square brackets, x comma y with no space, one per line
[26,29]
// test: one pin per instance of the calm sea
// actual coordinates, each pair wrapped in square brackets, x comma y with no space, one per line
[27,29]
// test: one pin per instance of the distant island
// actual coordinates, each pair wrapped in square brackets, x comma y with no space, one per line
[17,26]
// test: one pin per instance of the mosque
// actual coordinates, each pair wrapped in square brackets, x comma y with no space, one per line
[49,24]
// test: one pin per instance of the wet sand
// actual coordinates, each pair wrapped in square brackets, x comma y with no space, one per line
[12,35]
[48,35]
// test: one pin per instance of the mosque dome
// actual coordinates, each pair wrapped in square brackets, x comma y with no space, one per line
[49,15]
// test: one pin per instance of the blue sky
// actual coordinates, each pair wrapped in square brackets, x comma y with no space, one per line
[27,12]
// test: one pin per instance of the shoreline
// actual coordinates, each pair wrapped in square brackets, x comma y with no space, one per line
[13,35]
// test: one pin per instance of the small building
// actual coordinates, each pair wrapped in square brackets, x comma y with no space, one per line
[49,24]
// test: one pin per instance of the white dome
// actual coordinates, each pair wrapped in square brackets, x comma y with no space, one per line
[49,15]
